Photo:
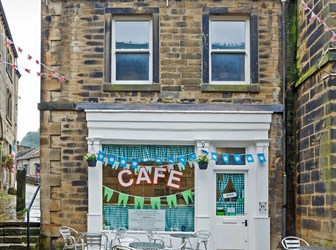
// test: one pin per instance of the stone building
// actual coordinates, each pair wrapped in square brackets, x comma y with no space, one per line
[315,123]
[9,77]
[162,80]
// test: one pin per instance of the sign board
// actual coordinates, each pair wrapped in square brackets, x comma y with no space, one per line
[146,219]
[230,195]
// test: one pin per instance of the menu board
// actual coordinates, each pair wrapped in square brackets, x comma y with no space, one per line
[146,219]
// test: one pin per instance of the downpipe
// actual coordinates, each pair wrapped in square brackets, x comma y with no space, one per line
[284,121]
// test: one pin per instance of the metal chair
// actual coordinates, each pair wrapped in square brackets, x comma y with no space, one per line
[155,237]
[292,242]
[95,241]
[203,237]
[71,238]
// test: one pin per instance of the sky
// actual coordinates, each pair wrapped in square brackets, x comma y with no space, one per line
[24,20]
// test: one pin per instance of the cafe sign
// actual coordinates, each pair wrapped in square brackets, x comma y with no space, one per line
[173,181]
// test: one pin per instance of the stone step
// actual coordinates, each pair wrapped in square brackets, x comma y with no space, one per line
[32,246]
[7,231]
[19,239]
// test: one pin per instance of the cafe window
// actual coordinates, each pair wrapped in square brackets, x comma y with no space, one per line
[146,187]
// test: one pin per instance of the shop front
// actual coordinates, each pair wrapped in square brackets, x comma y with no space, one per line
[148,178]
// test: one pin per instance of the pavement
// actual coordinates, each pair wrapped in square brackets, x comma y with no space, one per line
[8,211]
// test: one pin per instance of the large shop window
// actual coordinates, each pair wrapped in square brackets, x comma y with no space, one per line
[156,193]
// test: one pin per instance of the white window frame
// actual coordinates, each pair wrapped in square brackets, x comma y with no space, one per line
[246,51]
[149,50]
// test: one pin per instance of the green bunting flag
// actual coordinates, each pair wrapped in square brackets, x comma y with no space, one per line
[109,193]
[187,195]
[123,198]
[155,201]
[139,201]
[171,200]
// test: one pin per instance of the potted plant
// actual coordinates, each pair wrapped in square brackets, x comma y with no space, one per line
[8,161]
[203,160]
[91,159]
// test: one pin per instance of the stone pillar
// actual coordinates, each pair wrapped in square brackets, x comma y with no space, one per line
[21,189]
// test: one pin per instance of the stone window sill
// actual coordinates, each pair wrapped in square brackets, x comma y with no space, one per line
[132,87]
[252,88]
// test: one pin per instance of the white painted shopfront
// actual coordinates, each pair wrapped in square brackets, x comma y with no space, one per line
[246,131]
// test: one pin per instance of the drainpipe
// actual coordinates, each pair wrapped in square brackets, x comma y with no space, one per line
[284,120]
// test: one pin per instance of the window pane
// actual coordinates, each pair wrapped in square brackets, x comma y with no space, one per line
[227,35]
[230,194]
[227,67]
[132,35]
[132,67]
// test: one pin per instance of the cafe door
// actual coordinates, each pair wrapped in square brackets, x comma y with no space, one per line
[231,211]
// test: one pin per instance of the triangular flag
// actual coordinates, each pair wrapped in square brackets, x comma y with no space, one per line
[155,202]
[123,198]
[262,157]
[171,200]
[237,158]
[187,195]
[116,165]
[20,50]
[170,167]
[111,159]
[312,17]
[28,71]
[249,158]
[139,201]
[226,158]
[29,57]
[192,157]
[135,163]
[182,159]
[123,162]
[109,193]
[101,156]
[158,161]
[214,156]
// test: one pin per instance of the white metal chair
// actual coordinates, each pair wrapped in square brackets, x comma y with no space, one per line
[95,241]
[72,240]
[203,237]
[292,242]
[155,237]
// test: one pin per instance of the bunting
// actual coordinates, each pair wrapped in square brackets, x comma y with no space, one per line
[155,202]
[181,160]
[314,17]
[52,74]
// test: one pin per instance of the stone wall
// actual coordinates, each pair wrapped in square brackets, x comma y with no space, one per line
[73,44]
[315,124]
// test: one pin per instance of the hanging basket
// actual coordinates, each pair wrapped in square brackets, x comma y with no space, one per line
[203,165]
[92,163]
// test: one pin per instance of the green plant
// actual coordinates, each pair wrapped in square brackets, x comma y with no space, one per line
[202,157]
[8,161]
[90,156]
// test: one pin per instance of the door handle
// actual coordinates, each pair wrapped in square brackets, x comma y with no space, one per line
[245,223]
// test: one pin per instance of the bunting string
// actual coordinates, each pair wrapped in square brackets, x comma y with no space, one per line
[52,73]
[314,17]
[148,197]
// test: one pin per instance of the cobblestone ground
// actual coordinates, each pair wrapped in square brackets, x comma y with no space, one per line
[8,207]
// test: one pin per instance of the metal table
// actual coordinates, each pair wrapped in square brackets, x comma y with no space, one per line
[183,236]
[146,245]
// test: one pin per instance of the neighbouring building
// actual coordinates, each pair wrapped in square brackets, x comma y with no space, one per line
[9,78]
[150,85]
[315,123]
[29,159]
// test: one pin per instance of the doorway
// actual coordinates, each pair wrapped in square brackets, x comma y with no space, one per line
[231,211]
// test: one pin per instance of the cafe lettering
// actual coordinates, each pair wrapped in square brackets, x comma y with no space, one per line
[173,181]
